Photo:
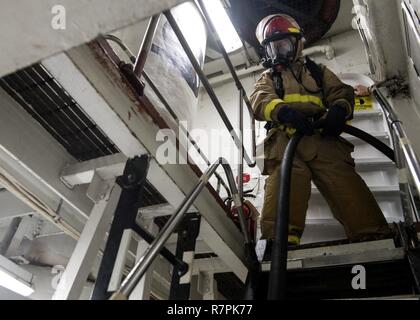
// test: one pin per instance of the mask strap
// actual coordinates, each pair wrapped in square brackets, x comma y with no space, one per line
[300,82]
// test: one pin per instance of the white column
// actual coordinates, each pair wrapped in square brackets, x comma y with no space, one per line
[207,285]
[81,262]
[143,288]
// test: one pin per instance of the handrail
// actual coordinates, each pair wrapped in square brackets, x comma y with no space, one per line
[232,70]
[241,151]
[122,45]
[141,267]
[207,86]
[146,45]
[132,58]
[407,154]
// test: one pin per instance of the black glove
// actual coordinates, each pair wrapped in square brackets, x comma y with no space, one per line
[297,119]
[335,121]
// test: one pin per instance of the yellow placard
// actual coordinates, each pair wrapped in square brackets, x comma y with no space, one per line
[363,103]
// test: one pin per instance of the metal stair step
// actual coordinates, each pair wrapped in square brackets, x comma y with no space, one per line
[381,135]
[373,163]
[342,254]
[368,114]
[376,190]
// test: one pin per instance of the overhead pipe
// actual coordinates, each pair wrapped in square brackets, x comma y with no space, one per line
[146,45]
[12,185]
[328,50]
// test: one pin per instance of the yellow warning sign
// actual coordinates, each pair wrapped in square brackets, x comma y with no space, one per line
[363,103]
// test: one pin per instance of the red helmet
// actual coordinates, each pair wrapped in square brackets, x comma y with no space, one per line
[282,39]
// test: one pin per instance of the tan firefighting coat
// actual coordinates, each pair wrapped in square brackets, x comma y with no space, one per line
[326,161]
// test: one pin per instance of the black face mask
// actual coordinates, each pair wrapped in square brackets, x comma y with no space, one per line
[282,51]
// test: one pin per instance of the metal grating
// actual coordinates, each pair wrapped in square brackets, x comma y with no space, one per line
[36,90]
[40,94]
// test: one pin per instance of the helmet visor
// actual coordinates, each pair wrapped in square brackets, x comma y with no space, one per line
[283,50]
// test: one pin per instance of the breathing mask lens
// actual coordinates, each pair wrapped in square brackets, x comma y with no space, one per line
[282,51]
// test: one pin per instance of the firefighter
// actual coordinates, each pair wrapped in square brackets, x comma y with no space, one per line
[297,95]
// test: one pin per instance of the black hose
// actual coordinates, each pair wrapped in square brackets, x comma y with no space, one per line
[277,284]
[379,145]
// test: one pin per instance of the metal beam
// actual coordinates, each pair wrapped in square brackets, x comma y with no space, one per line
[16,270]
[10,233]
[32,37]
[12,207]
[124,218]
[113,166]
[35,159]
[207,285]
[214,265]
[217,245]
[82,172]
[365,252]
[24,231]
[371,256]
[143,289]
[81,262]
[187,237]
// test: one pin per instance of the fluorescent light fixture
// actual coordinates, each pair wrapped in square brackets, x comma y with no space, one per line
[9,282]
[223,25]
[15,278]
[192,26]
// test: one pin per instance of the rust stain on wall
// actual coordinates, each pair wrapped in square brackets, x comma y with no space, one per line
[144,108]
